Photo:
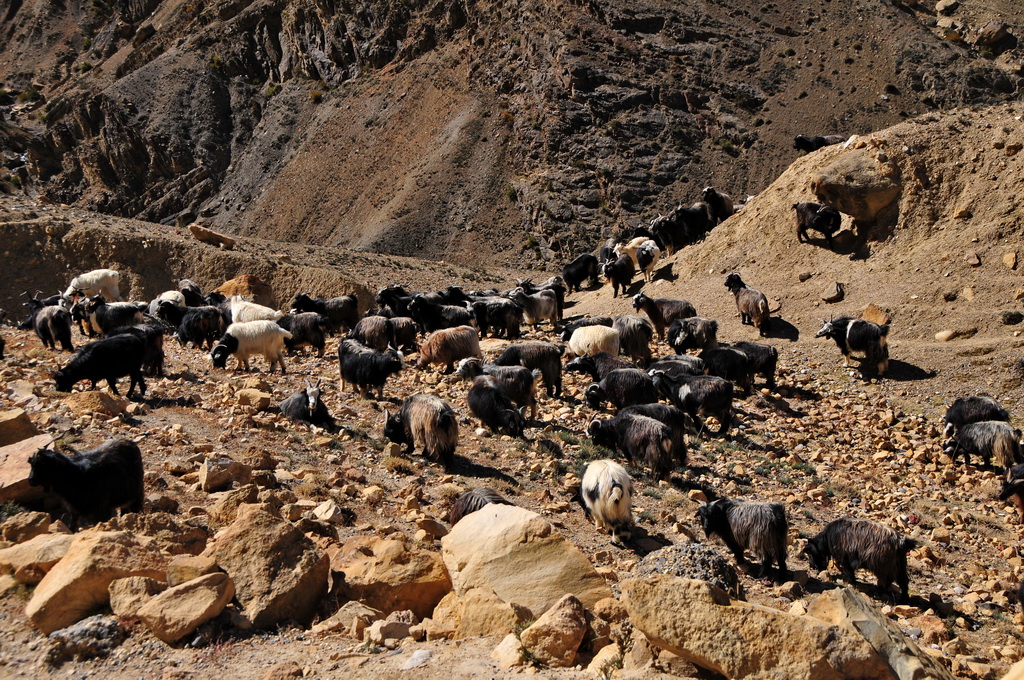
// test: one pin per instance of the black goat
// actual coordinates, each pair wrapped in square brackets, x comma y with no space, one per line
[543,356]
[473,500]
[720,205]
[619,273]
[306,406]
[95,483]
[107,359]
[520,383]
[967,410]
[576,272]
[856,335]
[433,316]
[376,332]
[862,544]
[822,218]
[427,420]
[340,311]
[764,360]
[307,328]
[198,325]
[641,439]
[366,368]
[499,315]
[622,387]
[808,144]
[988,439]
[597,365]
[731,364]
[635,335]
[396,298]
[760,528]
[663,311]
[679,364]
[52,325]
[751,303]
[692,333]
[489,402]
[681,227]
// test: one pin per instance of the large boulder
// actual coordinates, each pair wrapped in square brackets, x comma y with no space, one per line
[278,573]
[14,470]
[251,288]
[15,426]
[554,638]
[30,561]
[701,561]
[173,535]
[850,609]
[699,623]
[390,575]
[858,184]
[80,581]
[178,611]
[519,555]
[127,595]
[25,525]
[479,612]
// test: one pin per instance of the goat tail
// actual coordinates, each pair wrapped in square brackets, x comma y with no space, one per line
[616,494]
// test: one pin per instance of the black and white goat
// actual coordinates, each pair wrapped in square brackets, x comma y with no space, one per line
[643,440]
[607,496]
[96,482]
[989,439]
[245,339]
[863,337]
[760,528]
[698,395]
[306,406]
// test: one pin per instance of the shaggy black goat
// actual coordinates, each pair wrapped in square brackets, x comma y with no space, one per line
[405,330]
[720,206]
[699,394]
[731,364]
[808,144]
[662,311]
[988,439]
[641,439]
[427,420]
[543,356]
[396,298]
[673,417]
[692,333]
[107,359]
[376,332]
[306,406]
[109,318]
[307,328]
[764,360]
[597,365]
[340,311]
[520,383]
[153,337]
[199,325]
[622,387]
[635,334]
[681,227]
[619,273]
[752,304]
[818,217]
[473,500]
[366,368]
[863,544]
[856,335]
[760,528]
[576,272]
[679,364]
[432,316]
[967,410]
[498,315]
[96,482]
[489,402]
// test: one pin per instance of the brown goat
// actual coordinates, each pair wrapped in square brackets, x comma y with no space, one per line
[753,304]
[448,345]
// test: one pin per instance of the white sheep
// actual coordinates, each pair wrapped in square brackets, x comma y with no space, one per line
[607,495]
[633,246]
[97,282]
[248,338]
[590,340]
[242,311]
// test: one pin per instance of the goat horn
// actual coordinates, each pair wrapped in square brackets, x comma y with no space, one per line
[308,383]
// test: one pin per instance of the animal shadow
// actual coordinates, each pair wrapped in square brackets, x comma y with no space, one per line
[902,371]
[782,329]
[466,467]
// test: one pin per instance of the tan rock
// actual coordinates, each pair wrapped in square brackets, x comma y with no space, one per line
[874,314]
[390,575]
[555,637]
[31,560]
[225,509]
[204,235]
[95,401]
[858,185]
[697,622]
[217,474]
[607,659]
[251,288]
[1010,260]
[184,568]
[25,525]
[286,670]
[509,652]
[173,535]
[1016,672]
[278,573]
[127,595]
[482,613]
[610,609]
[382,630]
[432,527]
[352,619]
[971,258]
[15,426]
[519,555]
[329,512]
[945,335]
[258,399]
[178,611]
[80,581]
[14,470]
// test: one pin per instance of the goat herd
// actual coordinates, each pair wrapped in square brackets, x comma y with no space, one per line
[501,393]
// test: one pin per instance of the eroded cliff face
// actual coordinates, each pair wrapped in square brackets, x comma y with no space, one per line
[525,129]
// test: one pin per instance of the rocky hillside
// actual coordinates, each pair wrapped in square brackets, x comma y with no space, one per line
[520,130]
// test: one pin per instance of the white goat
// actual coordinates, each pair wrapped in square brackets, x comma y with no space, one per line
[607,494]
[590,340]
[97,282]
[633,246]
[242,311]
[249,338]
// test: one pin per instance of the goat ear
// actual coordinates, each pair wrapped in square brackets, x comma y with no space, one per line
[387,415]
